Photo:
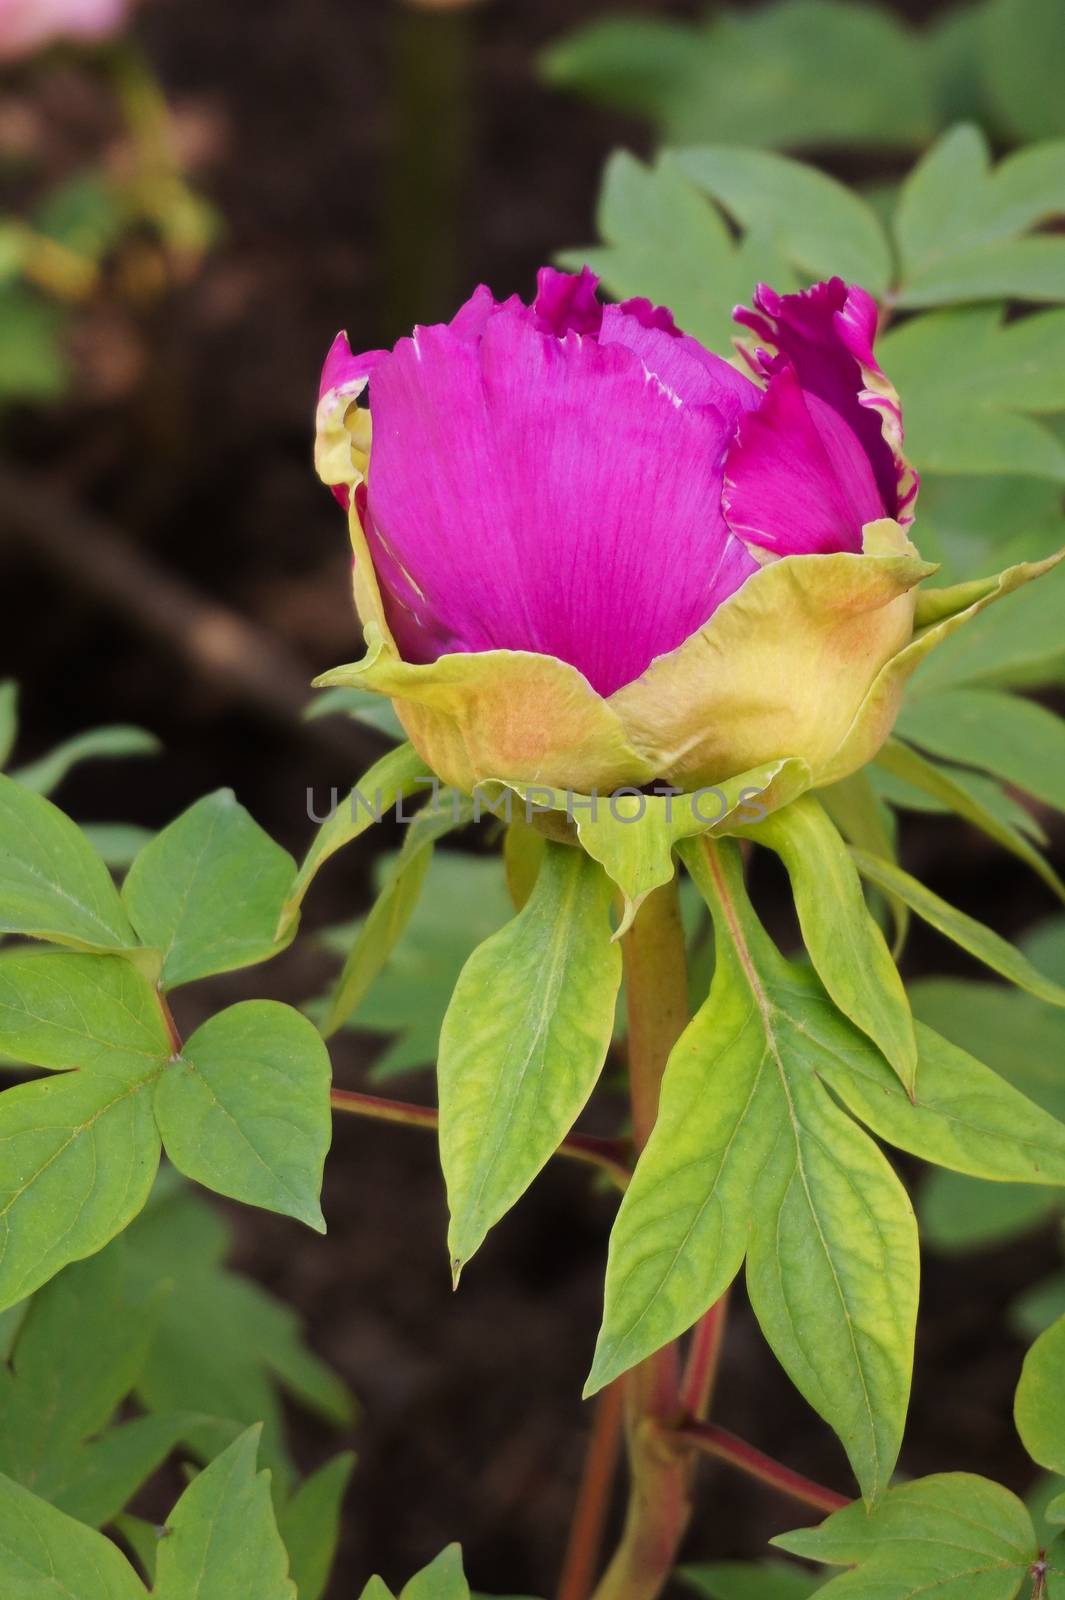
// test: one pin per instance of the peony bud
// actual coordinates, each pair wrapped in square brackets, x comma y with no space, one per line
[590,552]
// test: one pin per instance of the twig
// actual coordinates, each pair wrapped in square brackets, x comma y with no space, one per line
[593,1496]
[609,1155]
[715,1441]
[221,647]
[704,1355]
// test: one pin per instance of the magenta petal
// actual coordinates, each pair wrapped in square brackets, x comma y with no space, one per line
[566,302]
[827,335]
[797,481]
[344,375]
[695,375]
[548,495]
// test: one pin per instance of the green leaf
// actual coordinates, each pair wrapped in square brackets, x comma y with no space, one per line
[119,843]
[959,225]
[665,240]
[817,224]
[991,798]
[980,941]
[745,76]
[61,1010]
[53,885]
[1017,640]
[221,1538]
[8,718]
[310,1525]
[748,1580]
[397,774]
[111,744]
[523,1042]
[208,891]
[902,762]
[245,1108]
[1039,1409]
[382,929]
[973,385]
[957,1212]
[833,1248]
[971,525]
[372,710]
[1015,739]
[952,1533]
[442,1579]
[32,363]
[1023,56]
[78,1156]
[1021,1038]
[45,1555]
[464,902]
[104,1475]
[845,945]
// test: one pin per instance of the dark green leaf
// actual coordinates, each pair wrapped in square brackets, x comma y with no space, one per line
[1017,740]
[112,744]
[45,1555]
[748,1580]
[1023,55]
[310,1526]
[361,706]
[8,719]
[961,1213]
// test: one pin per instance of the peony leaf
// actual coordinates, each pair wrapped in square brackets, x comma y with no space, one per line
[523,1042]
[1039,1408]
[111,744]
[1022,54]
[1017,740]
[8,719]
[310,1525]
[63,1010]
[45,1555]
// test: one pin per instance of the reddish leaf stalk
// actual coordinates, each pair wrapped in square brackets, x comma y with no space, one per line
[593,1496]
[725,1446]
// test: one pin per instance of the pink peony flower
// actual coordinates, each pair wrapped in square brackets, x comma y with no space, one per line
[590,483]
[29,25]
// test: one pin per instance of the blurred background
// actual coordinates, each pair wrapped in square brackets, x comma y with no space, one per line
[168,560]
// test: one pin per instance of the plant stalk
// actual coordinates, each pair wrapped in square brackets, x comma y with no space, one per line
[660,1475]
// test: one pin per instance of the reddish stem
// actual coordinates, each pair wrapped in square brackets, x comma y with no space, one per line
[704,1356]
[608,1155]
[715,1441]
[593,1496]
[171,1025]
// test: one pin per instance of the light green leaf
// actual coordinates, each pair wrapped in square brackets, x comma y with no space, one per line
[959,225]
[523,1042]
[1021,1038]
[112,744]
[45,1555]
[8,719]
[980,941]
[666,241]
[748,1580]
[78,1156]
[208,890]
[1023,57]
[221,1538]
[817,224]
[61,1010]
[119,843]
[442,1579]
[1039,1409]
[245,1108]
[1015,739]
[1017,640]
[832,1263]
[382,929]
[954,1534]
[903,762]
[845,945]
[397,774]
[310,1525]
[53,885]
[982,790]
[973,386]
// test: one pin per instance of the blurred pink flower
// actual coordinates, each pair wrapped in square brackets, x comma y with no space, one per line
[29,25]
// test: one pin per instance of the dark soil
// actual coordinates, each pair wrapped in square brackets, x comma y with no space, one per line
[192,431]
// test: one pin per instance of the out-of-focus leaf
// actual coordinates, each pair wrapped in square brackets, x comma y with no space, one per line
[1023,58]
[32,363]
[208,890]
[1039,1408]
[974,386]
[112,744]
[373,710]
[746,76]
[749,1580]
[119,843]
[665,240]
[963,229]
[310,1525]
[86,215]
[1016,740]
[464,902]
[818,225]
[958,1212]
[8,718]
[1034,1311]
[984,791]
[974,525]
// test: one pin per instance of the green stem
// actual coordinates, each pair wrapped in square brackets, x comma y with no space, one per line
[660,1475]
